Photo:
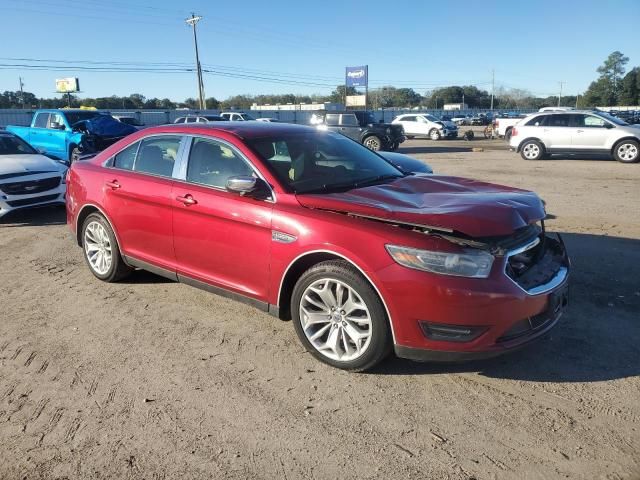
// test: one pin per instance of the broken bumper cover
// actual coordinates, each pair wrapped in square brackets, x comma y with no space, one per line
[470,319]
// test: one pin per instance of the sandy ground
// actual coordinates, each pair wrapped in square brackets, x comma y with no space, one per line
[157,380]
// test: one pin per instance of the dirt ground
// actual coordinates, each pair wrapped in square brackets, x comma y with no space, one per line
[157,380]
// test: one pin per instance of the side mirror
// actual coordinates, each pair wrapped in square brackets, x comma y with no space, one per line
[246,185]
[608,126]
[242,184]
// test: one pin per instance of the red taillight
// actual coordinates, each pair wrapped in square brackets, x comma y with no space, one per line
[514,131]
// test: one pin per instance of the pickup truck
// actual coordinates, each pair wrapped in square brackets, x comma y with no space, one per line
[362,127]
[67,134]
[503,126]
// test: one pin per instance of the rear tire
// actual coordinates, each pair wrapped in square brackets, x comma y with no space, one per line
[339,317]
[532,150]
[627,151]
[101,251]
[373,143]
[74,156]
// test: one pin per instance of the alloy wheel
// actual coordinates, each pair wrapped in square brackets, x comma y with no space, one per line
[627,152]
[97,248]
[335,320]
[531,151]
[372,143]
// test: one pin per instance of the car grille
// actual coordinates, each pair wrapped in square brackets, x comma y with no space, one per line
[31,201]
[30,186]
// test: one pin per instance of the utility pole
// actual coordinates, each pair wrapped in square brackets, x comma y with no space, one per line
[493,84]
[193,21]
[560,96]
[21,92]
[577,96]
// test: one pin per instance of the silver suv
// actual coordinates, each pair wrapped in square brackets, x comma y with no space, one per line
[546,133]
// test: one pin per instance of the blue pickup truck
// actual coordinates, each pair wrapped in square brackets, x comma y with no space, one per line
[67,134]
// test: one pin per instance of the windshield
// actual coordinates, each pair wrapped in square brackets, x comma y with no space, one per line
[15,146]
[247,117]
[75,117]
[322,162]
[431,118]
[612,119]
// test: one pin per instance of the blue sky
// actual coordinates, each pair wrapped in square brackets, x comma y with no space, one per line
[306,45]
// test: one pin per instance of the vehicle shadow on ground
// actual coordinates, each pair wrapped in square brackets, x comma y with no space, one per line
[597,339]
[581,156]
[34,217]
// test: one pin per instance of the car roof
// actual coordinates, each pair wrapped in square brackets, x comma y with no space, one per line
[244,130]
[566,112]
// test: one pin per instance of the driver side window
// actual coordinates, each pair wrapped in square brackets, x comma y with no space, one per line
[212,163]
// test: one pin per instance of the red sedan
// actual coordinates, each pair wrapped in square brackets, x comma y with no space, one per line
[311,226]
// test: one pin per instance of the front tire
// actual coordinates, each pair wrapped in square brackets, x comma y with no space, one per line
[339,317]
[373,143]
[532,150]
[627,151]
[74,156]
[101,251]
[434,134]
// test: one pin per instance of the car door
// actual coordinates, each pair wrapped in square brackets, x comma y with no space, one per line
[591,132]
[57,134]
[557,131]
[138,198]
[38,133]
[221,238]
[350,126]
[409,124]
[424,126]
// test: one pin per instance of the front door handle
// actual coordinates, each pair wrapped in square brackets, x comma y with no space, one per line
[186,199]
[114,185]
[580,131]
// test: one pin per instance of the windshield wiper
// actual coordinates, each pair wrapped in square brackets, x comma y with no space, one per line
[351,185]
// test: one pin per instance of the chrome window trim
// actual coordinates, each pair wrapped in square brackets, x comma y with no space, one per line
[181,173]
[384,303]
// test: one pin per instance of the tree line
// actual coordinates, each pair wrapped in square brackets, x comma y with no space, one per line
[612,87]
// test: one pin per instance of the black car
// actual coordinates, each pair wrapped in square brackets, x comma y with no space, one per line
[362,127]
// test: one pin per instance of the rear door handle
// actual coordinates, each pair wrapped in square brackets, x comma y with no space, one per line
[580,131]
[114,185]
[186,199]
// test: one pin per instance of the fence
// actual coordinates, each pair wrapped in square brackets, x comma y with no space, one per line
[160,117]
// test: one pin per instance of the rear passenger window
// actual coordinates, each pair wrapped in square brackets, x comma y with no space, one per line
[157,155]
[537,121]
[349,120]
[558,121]
[332,119]
[126,157]
[42,119]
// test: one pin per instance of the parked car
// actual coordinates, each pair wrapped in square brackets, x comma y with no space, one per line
[311,226]
[406,163]
[267,119]
[426,125]
[480,119]
[199,119]
[237,116]
[28,178]
[576,132]
[362,127]
[66,134]
[133,121]
[460,119]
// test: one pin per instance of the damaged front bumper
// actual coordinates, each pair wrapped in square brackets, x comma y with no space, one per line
[465,319]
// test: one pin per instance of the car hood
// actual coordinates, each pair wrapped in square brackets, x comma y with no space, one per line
[474,208]
[448,124]
[16,165]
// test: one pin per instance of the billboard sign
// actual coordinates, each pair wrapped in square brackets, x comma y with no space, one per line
[355,100]
[67,85]
[357,76]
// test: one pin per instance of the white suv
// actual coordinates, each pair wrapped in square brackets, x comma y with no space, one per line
[576,131]
[425,125]
[236,116]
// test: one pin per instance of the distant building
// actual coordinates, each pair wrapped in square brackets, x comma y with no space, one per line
[299,106]
[455,106]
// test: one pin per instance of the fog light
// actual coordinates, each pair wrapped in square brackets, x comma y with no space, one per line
[451,333]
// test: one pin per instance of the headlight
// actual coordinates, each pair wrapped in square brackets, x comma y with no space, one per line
[388,131]
[469,263]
